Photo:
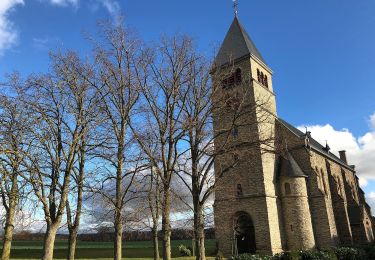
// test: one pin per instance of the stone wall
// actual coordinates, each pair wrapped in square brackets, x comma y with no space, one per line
[245,162]
[297,216]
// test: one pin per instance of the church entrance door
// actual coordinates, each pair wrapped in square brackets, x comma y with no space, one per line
[245,234]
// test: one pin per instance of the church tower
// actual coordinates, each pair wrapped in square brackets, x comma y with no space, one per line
[246,206]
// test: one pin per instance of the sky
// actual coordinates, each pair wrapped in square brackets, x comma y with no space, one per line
[322,53]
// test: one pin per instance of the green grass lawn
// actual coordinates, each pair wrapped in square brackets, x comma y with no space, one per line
[99,250]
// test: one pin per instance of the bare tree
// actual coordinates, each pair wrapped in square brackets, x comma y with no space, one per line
[57,101]
[118,78]
[69,67]
[13,146]
[162,119]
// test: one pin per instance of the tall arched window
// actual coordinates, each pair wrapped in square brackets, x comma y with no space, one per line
[325,185]
[262,78]
[287,188]
[319,179]
[238,76]
[239,190]
[258,73]
[265,81]
[235,131]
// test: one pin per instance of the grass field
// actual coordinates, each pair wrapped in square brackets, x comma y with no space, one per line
[99,250]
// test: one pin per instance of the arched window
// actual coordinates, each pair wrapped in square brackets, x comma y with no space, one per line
[338,184]
[262,78]
[287,188]
[239,190]
[235,131]
[258,73]
[238,76]
[325,186]
[319,179]
[265,81]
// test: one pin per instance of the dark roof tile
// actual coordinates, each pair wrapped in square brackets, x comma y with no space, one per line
[315,144]
[237,44]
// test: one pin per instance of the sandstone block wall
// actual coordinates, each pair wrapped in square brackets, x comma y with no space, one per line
[297,216]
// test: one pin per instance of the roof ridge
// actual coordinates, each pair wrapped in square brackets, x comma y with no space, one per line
[313,143]
[236,45]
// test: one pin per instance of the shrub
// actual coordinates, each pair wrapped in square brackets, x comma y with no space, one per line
[314,255]
[250,257]
[294,255]
[350,253]
[184,251]
[368,250]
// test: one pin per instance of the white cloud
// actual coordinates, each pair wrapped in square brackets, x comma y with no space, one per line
[360,150]
[370,198]
[8,35]
[65,2]
[113,8]
[45,43]
[372,121]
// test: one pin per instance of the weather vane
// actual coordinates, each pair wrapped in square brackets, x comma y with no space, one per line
[235,7]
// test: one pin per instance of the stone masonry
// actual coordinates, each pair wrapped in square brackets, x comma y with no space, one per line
[277,188]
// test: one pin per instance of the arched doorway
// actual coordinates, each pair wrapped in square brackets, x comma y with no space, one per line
[244,234]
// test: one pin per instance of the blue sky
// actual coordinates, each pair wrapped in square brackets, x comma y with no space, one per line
[322,52]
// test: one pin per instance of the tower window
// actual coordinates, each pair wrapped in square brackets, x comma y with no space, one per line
[238,76]
[265,81]
[287,188]
[239,190]
[235,131]
[262,78]
[233,79]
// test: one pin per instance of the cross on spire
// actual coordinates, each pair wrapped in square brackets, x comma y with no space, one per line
[235,7]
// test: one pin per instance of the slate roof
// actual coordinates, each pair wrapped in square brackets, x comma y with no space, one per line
[289,167]
[315,144]
[237,44]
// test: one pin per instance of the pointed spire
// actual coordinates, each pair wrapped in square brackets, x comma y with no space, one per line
[235,7]
[237,44]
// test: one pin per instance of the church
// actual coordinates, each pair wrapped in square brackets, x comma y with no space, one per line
[277,189]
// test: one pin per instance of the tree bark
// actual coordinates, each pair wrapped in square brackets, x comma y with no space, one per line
[119,205]
[72,242]
[10,215]
[118,238]
[166,224]
[49,241]
[73,228]
[156,242]
[200,249]
[8,232]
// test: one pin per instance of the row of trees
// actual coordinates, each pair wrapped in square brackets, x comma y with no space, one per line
[123,126]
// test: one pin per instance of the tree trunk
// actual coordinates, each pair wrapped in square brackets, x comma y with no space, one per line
[156,242]
[49,241]
[166,224]
[200,250]
[72,242]
[73,228]
[118,238]
[8,232]
[10,215]
[118,205]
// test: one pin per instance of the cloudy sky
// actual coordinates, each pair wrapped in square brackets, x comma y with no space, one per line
[322,53]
